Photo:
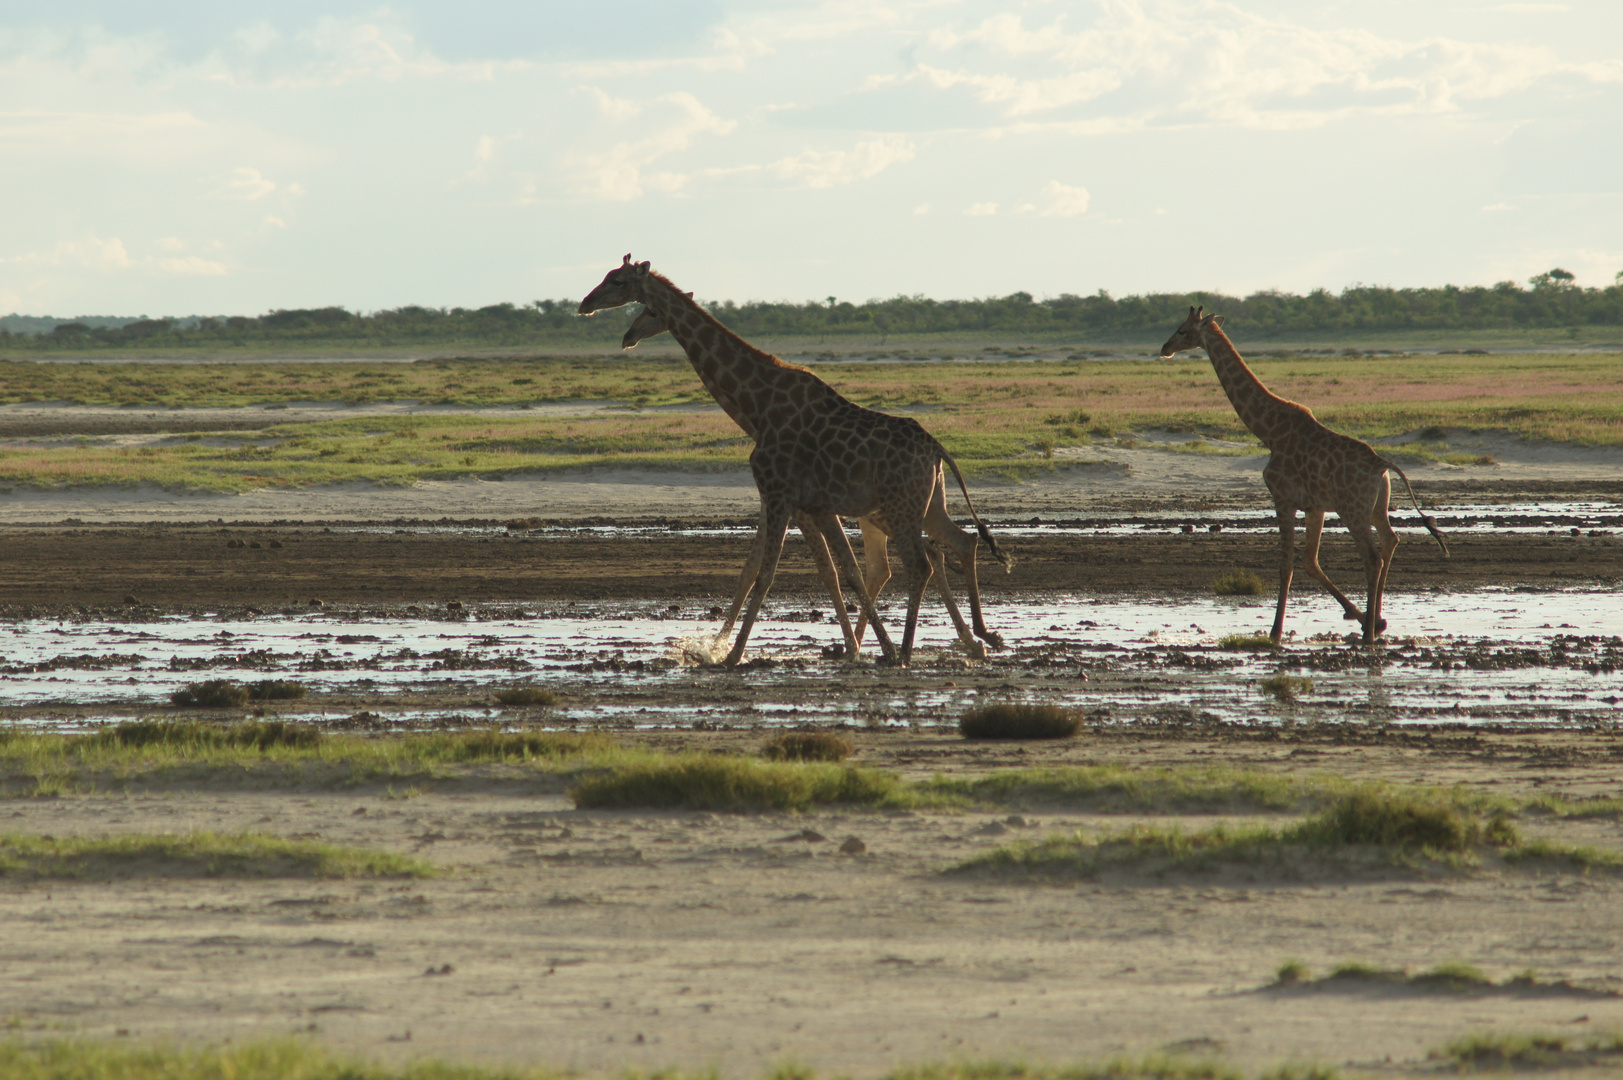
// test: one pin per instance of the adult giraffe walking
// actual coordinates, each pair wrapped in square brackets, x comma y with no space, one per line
[938,524]
[817,456]
[1311,469]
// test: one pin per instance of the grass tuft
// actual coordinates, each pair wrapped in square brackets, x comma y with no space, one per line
[1401,825]
[1292,972]
[205,854]
[527,695]
[276,690]
[213,694]
[1286,688]
[721,782]
[1010,721]
[191,735]
[1237,582]
[1251,642]
[808,746]
[1505,1051]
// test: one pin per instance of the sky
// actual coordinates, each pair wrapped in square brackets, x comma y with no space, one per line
[180,157]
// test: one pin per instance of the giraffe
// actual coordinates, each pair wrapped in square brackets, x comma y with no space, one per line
[1312,469]
[817,456]
[938,524]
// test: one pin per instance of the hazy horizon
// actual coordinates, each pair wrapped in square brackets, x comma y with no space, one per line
[179,158]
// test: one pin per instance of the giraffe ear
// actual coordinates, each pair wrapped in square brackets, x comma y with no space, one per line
[1216,320]
[641,268]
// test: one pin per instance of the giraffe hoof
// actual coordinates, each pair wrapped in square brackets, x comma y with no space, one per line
[993,638]
[833,652]
[975,649]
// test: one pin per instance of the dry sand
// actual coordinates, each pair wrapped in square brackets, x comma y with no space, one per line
[605,940]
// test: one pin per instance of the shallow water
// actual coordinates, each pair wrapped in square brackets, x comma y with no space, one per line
[1481,656]
[1594,517]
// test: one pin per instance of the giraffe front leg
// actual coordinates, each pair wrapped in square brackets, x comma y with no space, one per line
[773,525]
[875,567]
[814,534]
[1287,555]
[848,563]
[746,581]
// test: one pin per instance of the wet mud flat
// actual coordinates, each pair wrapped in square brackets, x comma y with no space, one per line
[410,626]
[141,571]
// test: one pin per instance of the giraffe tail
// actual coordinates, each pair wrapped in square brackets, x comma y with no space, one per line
[980,526]
[1425,518]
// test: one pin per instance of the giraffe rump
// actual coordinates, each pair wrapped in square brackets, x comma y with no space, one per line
[1425,519]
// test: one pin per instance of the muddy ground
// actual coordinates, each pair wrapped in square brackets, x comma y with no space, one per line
[171,568]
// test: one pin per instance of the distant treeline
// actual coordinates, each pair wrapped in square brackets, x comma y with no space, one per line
[1551,299]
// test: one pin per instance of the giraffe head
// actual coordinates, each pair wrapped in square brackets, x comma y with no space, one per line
[645,325]
[1187,336]
[622,285]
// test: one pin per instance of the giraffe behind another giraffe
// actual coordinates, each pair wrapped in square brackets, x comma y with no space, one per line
[1311,469]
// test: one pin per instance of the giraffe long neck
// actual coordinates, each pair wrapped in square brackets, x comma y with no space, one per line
[737,374]
[1260,409]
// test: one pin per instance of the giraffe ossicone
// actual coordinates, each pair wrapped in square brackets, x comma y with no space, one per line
[818,457]
[1310,469]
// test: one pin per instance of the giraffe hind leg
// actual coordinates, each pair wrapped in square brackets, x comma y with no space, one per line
[1313,526]
[955,541]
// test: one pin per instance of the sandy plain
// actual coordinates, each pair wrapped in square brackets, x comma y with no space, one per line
[603,940]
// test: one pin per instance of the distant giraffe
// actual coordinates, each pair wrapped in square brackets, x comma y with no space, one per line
[875,542]
[817,456]
[1311,469]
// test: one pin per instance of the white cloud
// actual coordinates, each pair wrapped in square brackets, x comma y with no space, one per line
[110,255]
[921,209]
[192,265]
[244,184]
[1065,201]
[827,168]
[1142,62]
[90,253]
[618,173]
[982,209]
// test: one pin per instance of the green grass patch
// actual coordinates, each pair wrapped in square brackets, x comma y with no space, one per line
[724,782]
[1285,688]
[275,751]
[1399,828]
[289,1059]
[808,746]
[1506,1051]
[1009,720]
[213,694]
[205,854]
[1237,582]
[1247,642]
[260,1059]
[527,695]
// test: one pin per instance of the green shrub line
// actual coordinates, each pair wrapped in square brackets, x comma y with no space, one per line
[202,854]
[297,1059]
